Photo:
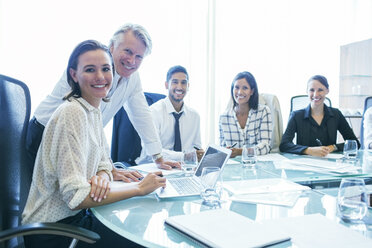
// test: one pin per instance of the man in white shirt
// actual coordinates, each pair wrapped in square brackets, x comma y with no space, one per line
[368,129]
[164,112]
[128,46]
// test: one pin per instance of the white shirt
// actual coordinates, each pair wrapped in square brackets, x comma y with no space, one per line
[73,149]
[164,123]
[367,136]
[124,92]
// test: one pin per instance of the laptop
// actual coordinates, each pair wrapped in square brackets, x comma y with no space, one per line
[214,156]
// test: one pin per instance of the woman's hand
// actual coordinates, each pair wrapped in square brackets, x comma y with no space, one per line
[100,186]
[151,182]
[235,152]
[318,151]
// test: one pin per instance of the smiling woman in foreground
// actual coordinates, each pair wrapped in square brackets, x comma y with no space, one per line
[73,169]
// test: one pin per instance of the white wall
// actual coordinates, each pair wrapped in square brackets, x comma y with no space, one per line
[282,42]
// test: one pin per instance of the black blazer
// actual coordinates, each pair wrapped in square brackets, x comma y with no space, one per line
[299,122]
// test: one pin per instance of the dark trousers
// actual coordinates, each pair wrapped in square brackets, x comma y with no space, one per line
[33,139]
[86,219]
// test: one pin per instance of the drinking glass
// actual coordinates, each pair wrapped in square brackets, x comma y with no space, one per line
[210,193]
[189,163]
[350,149]
[352,199]
[249,156]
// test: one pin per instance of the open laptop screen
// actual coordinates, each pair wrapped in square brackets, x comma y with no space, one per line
[212,158]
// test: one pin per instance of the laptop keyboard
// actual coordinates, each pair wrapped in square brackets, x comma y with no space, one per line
[185,185]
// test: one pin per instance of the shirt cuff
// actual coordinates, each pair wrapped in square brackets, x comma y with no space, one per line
[79,196]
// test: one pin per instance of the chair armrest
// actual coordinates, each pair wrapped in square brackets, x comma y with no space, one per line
[71,231]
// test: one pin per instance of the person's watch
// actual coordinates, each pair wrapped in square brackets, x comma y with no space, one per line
[156,156]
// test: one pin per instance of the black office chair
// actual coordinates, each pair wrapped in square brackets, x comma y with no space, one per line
[126,143]
[16,174]
[301,101]
[367,104]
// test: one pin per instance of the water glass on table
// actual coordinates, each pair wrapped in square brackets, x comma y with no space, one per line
[189,163]
[211,192]
[350,149]
[249,156]
[352,202]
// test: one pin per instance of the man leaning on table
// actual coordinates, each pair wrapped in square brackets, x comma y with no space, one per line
[128,46]
[368,129]
[177,124]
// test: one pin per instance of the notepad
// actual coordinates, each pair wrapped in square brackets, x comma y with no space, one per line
[224,228]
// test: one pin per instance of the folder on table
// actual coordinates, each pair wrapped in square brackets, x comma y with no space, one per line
[224,228]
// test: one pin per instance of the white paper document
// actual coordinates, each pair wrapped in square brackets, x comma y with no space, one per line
[233,161]
[271,157]
[335,155]
[322,165]
[287,199]
[272,191]
[151,167]
[224,228]
[316,230]
[260,186]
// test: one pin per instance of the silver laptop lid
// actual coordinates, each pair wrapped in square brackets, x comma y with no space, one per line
[214,156]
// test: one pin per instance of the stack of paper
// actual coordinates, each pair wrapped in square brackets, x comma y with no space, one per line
[275,191]
[224,228]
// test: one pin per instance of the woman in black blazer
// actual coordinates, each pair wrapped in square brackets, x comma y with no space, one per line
[316,125]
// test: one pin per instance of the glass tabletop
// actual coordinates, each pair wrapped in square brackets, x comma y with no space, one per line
[312,177]
[141,219]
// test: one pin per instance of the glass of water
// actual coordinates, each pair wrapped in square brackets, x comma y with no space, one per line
[189,163]
[210,193]
[249,156]
[350,149]
[352,202]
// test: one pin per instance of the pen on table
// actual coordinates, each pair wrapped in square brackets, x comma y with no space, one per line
[234,145]
[318,142]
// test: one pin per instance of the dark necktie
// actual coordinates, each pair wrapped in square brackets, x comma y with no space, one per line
[177,136]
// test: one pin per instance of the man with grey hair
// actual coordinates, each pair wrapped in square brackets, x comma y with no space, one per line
[128,46]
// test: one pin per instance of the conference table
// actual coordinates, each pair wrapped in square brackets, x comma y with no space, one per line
[141,219]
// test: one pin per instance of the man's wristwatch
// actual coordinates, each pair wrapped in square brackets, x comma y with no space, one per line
[156,156]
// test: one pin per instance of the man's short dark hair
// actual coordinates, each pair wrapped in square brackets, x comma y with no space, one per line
[176,69]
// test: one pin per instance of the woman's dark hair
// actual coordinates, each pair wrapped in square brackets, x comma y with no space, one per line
[322,79]
[81,48]
[253,100]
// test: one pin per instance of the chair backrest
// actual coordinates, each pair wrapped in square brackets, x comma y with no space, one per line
[15,106]
[367,104]
[126,143]
[273,103]
[301,101]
